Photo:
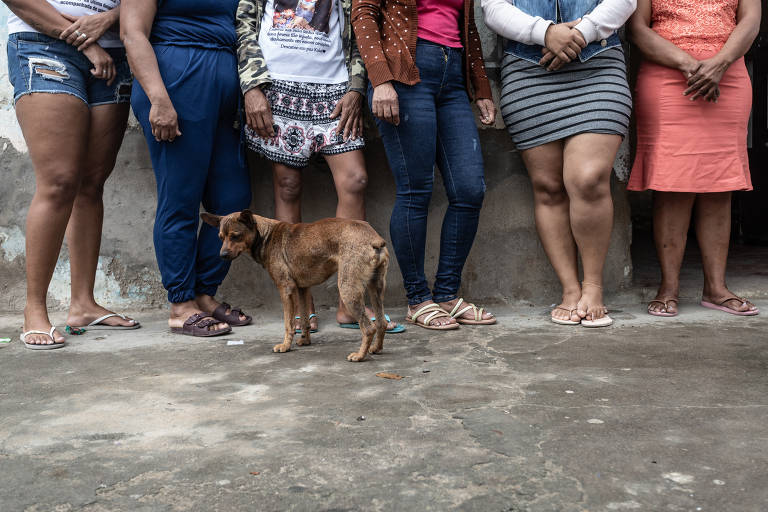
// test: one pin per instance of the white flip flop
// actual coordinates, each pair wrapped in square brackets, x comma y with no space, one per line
[33,346]
[600,322]
[560,321]
[97,325]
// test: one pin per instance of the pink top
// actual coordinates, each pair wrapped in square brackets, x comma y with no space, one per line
[439,21]
[695,26]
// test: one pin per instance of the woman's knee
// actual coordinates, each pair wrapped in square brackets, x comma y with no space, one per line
[589,184]
[414,189]
[92,185]
[289,187]
[353,183]
[413,200]
[549,191]
[469,194]
[59,188]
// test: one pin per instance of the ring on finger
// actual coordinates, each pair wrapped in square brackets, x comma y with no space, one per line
[82,35]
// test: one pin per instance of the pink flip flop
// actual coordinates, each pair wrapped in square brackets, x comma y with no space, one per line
[721,307]
[666,307]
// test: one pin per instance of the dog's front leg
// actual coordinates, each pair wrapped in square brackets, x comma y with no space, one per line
[288,298]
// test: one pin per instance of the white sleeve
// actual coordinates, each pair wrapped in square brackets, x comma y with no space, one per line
[605,19]
[511,23]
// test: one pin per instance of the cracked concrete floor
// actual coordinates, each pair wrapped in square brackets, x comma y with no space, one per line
[651,414]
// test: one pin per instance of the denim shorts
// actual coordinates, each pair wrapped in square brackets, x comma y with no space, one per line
[40,63]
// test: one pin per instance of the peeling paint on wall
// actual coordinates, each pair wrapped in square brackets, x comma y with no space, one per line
[107,290]
[11,243]
[111,286]
[9,127]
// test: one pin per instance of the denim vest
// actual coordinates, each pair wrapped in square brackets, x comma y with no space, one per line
[569,10]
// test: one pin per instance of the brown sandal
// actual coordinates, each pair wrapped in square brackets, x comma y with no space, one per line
[233,318]
[197,325]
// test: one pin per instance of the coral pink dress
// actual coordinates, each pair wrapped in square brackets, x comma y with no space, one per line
[692,146]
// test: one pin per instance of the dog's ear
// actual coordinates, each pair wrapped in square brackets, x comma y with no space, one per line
[213,220]
[246,218]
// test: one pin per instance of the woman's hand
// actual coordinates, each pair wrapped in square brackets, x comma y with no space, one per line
[103,65]
[86,30]
[563,42]
[350,109]
[554,62]
[689,67]
[164,121]
[487,111]
[385,104]
[704,81]
[258,113]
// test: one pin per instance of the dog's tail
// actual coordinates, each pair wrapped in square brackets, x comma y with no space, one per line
[380,254]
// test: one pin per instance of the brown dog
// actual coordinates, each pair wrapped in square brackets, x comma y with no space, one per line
[299,256]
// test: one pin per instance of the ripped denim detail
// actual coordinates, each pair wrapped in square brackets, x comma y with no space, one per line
[49,69]
[123,91]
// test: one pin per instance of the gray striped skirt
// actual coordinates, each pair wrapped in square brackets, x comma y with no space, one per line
[541,106]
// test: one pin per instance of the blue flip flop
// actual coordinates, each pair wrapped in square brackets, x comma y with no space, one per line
[395,330]
[311,331]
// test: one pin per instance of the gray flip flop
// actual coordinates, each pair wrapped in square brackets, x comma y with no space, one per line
[33,346]
[97,324]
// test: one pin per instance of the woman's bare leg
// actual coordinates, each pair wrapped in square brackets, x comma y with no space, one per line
[671,219]
[286,182]
[287,189]
[587,165]
[713,232]
[55,127]
[552,212]
[350,179]
[107,126]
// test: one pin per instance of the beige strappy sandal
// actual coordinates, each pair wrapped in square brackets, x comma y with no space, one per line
[435,311]
[478,319]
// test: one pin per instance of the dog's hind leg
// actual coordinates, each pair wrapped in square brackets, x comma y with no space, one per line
[376,294]
[288,296]
[303,312]
[352,294]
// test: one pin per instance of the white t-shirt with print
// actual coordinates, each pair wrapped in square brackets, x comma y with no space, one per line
[302,41]
[110,39]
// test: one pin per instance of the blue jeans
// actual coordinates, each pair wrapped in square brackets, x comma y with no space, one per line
[206,164]
[437,126]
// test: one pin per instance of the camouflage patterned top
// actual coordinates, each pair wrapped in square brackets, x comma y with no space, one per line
[252,66]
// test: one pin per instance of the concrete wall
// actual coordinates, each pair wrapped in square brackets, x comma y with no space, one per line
[507,262]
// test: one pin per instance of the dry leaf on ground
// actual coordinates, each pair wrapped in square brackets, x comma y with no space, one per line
[388,375]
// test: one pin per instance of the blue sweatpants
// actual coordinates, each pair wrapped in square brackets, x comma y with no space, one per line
[206,164]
